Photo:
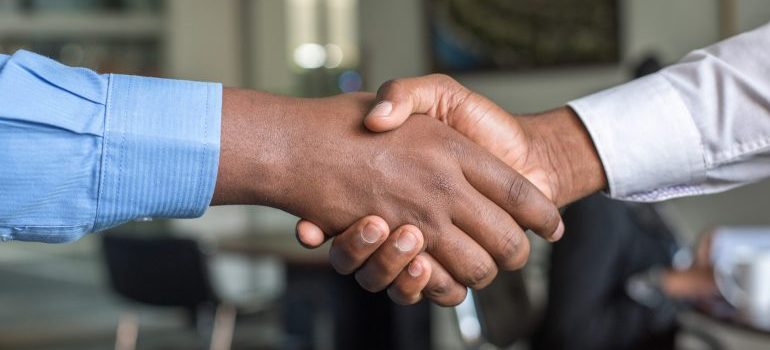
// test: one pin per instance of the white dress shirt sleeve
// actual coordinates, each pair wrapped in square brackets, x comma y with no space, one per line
[699,126]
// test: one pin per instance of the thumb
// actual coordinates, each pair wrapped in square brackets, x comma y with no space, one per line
[309,234]
[434,95]
[392,108]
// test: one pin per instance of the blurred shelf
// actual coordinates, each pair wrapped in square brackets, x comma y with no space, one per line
[102,25]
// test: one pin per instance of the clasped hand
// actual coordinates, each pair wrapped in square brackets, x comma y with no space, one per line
[482,226]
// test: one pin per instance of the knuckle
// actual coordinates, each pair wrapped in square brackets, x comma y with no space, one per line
[455,147]
[399,288]
[438,289]
[368,283]
[442,292]
[520,257]
[390,87]
[342,269]
[551,220]
[481,275]
[455,299]
[508,249]
[518,191]
[443,184]
[341,261]
[443,79]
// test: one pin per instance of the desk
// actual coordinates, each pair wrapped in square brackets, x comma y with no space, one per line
[724,313]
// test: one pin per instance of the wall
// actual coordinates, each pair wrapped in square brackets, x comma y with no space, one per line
[203,41]
[395,45]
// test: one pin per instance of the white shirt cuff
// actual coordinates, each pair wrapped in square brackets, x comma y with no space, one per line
[646,138]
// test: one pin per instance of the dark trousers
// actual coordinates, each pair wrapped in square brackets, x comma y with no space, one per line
[358,319]
[604,244]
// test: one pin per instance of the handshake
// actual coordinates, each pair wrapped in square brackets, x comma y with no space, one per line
[429,194]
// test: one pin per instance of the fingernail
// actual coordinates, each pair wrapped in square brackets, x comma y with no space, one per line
[370,234]
[382,109]
[415,269]
[406,242]
[558,233]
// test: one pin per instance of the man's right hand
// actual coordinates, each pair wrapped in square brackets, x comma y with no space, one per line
[317,161]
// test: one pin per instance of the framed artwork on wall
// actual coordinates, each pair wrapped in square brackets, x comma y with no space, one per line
[488,35]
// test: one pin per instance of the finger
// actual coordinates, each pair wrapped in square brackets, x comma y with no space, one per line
[492,228]
[462,257]
[393,256]
[408,286]
[309,234]
[398,99]
[512,192]
[442,289]
[351,248]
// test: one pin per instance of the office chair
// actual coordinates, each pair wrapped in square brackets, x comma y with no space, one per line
[168,272]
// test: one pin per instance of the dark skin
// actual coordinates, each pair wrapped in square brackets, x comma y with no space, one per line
[313,158]
[551,149]
[697,282]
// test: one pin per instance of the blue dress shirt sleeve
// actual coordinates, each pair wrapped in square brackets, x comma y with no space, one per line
[82,152]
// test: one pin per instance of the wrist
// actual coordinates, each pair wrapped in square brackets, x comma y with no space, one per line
[254,154]
[563,147]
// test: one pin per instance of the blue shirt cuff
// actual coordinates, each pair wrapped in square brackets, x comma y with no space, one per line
[160,150]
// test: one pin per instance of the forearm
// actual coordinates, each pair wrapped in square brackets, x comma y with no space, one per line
[563,145]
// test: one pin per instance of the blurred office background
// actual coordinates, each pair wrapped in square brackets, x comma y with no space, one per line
[65,296]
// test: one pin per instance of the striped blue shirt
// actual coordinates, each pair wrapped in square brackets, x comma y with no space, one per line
[82,152]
